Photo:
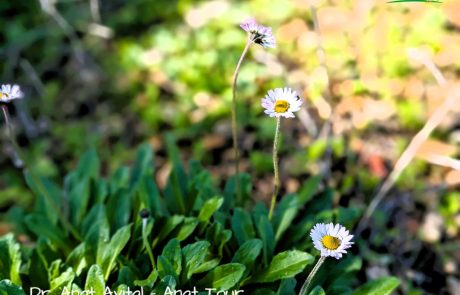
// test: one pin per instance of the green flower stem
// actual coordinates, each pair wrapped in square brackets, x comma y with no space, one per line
[275,168]
[146,242]
[50,200]
[234,123]
[306,284]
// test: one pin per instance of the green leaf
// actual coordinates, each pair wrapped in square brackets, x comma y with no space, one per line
[143,165]
[108,252]
[10,259]
[62,283]
[187,228]
[165,268]
[287,287]
[383,286]
[148,282]
[172,252]
[95,280]
[242,226]
[224,276]
[230,195]
[285,214]
[95,226]
[194,254]
[208,264]
[166,228]
[209,207]
[77,258]
[166,285]
[78,200]
[150,196]
[317,291]
[89,165]
[42,227]
[8,288]
[119,180]
[176,188]
[218,236]
[308,190]
[119,207]
[248,252]
[48,195]
[265,231]
[284,265]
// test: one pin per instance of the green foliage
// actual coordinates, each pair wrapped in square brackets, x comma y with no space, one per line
[101,243]
[384,286]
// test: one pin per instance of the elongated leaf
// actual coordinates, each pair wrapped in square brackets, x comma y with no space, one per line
[150,196]
[287,287]
[176,187]
[224,276]
[78,200]
[165,268]
[265,232]
[167,285]
[242,226]
[10,259]
[48,195]
[285,214]
[208,264]
[42,227]
[143,165]
[218,236]
[148,282]
[248,252]
[77,258]
[187,228]
[107,253]
[194,254]
[167,225]
[308,190]
[95,280]
[119,208]
[62,283]
[284,265]
[89,164]
[383,286]
[209,207]
[172,252]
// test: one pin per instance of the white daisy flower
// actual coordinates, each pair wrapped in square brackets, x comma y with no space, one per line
[259,34]
[281,102]
[9,93]
[331,240]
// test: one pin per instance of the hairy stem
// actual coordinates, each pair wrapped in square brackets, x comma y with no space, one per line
[234,123]
[307,282]
[276,181]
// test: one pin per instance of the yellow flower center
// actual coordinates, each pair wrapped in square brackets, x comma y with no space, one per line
[281,106]
[4,94]
[330,242]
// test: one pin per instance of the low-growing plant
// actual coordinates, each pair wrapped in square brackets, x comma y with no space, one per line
[123,233]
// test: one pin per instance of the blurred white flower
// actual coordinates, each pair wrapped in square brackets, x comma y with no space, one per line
[331,240]
[281,102]
[259,34]
[9,93]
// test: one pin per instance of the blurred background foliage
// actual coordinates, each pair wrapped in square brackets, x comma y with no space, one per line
[113,74]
